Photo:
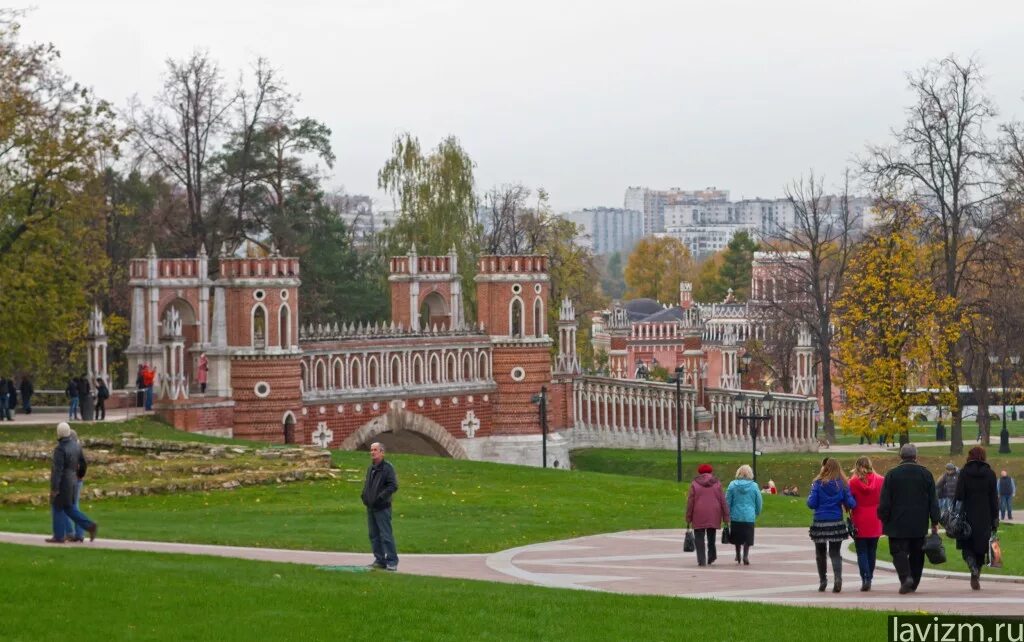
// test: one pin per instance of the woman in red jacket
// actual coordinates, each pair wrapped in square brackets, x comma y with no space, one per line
[866,488]
[706,510]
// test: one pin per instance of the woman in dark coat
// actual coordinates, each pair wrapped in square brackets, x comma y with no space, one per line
[976,488]
[67,469]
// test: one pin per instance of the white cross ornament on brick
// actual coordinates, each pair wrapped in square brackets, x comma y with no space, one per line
[470,424]
[323,435]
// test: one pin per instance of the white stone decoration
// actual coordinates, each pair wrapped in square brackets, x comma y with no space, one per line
[323,435]
[517,374]
[359,407]
[470,424]
[376,406]
[261,389]
[420,403]
[487,398]
[341,409]
[469,398]
[437,402]
[322,410]
[537,288]
[284,295]
[455,401]
[305,411]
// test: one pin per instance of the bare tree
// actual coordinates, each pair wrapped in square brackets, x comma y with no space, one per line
[942,161]
[812,257]
[178,134]
[504,227]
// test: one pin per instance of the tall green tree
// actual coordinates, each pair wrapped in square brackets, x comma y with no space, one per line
[53,133]
[736,265]
[435,196]
[613,280]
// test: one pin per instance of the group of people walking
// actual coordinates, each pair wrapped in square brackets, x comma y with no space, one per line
[67,473]
[84,402]
[903,505]
[9,397]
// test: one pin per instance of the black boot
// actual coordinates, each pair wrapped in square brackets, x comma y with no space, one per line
[822,573]
[837,574]
[972,564]
[865,584]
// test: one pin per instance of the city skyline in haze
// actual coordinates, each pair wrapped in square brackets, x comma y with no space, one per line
[583,100]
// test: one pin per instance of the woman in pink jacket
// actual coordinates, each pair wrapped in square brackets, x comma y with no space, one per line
[706,510]
[866,488]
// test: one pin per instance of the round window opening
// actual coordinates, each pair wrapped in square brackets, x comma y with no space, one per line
[259,295]
[284,294]
[516,289]
[537,288]
[262,389]
[518,374]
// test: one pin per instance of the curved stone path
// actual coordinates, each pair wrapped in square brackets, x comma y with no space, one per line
[652,562]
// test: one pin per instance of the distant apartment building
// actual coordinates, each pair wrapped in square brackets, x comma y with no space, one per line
[607,230]
[356,210]
[655,203]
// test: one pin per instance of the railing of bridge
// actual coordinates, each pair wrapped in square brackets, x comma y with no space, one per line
[632,407]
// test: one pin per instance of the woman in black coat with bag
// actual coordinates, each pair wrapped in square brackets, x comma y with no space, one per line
[976,489]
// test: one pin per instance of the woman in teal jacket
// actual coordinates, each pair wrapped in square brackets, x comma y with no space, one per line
[744,499]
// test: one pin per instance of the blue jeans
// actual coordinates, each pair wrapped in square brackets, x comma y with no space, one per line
[73,408]
[944,503]
[3,407]
[72,526]
[61,517]
[149,397]
[1005,507]
[382,540]
[866,549]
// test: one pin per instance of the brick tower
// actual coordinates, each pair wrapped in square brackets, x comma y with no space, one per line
[512,297]
[256,326]
[426,291]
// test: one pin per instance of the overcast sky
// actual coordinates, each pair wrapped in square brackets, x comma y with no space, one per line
[582,98]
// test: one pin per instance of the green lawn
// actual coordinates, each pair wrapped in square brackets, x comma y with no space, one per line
[142,426]
[112,595]
[1011,538]
[785,469]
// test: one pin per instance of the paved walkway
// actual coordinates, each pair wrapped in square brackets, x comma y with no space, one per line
[53,418]
[875,448]
[782,570]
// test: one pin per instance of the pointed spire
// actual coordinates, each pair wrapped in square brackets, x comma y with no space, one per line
[152,251]
[202,249]
[412,250]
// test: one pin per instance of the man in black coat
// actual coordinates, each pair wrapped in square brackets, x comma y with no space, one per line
[907,503]
[381,483]
[26,394]
[68,467]
[3,400]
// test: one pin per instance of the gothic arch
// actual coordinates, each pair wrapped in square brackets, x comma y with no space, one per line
[338,372]
[372,372]
[450,365]
[396,370]
[320,376]
[305,376]
[538,318]
[417,369]
[400,419]
[284,327]
[515,317]
[435,368]
[258,326]
[467,367]
[356,377]
[482,371]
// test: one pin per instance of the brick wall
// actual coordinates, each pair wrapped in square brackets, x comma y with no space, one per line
[263,418]
[514,413]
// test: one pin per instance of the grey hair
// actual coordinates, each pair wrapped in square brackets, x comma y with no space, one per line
[908,451]
[744,472]
[378,445]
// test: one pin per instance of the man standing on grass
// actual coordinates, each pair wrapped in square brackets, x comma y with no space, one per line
[381,483]
[1007,491]
[907,503]
[65,475]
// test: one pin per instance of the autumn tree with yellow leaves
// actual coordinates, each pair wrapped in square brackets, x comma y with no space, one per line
[655,269]
[893,333]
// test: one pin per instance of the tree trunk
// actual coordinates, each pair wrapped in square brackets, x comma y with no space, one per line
[826,396]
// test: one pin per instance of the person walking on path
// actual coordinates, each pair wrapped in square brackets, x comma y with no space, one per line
[866,488]
[64,475]
[381,483]
[706,510]
[74,532]
[26,394]
[140,387]
[148,378]
[743,499]
[102,394]
[203,372]
[4,415]
[907,503]
[1007,491]
[946,486]
[828,496]
[976,490]
[72,394]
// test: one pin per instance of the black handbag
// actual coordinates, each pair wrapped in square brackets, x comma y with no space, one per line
[934,549]
[955,521]
[726,534]
[689,545]
[850,528]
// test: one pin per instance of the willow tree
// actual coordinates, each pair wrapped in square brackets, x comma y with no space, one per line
[53,133]
[893,335]
[434,194]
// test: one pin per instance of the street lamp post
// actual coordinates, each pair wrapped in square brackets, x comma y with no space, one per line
[1004,434]
[678,379]
[541,399]
[753,421]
